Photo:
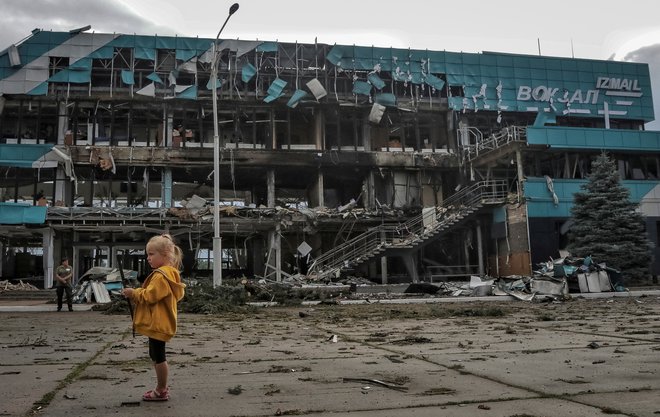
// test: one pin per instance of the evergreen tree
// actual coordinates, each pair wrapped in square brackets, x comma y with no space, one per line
[607,226]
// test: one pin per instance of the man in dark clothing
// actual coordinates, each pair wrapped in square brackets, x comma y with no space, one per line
[63,278]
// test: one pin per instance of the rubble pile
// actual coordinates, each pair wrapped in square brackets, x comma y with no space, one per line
[197,207]
[583,274]
[21,286]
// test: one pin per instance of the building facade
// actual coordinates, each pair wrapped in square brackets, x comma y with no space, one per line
[391,164]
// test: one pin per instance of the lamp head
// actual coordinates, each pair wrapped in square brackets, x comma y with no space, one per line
[233,9]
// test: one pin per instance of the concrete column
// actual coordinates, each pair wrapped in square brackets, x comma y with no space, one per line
[480,250]
[62,123]
[273,130]
[520,173]
[411,266]
[366,134]
[319,124]
[466,250]
[369,191]
[270,187]
[169,127]
[316,196]
[166,188]
[451,137]
[275,251]
[383,262]
[48,257]
[62,186]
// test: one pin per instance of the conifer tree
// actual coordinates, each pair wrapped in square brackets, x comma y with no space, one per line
[607,226]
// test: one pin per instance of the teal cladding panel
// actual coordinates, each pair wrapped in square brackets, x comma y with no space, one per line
[386,99]
[72,76]
[532,80]
[499,214]
[540,201]
[21,156]
[296,97]
[587,81]
[268,47]
[127,77]
[189,93]
[361,87]
[104,52]
[19,213]
[589,138]
[148,54]
[185,54]
[376,81]
[40,90]
[247,72]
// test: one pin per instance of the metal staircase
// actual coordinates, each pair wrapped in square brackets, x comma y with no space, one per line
[479,146]
[414,233]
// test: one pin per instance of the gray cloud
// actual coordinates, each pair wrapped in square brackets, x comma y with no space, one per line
[650,55]
[20,17]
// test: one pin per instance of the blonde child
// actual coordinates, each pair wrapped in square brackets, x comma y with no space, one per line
[156,307]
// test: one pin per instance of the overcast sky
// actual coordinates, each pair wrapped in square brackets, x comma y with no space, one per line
[582,28]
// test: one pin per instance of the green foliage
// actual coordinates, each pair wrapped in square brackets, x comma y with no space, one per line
[204,299]
[606,225]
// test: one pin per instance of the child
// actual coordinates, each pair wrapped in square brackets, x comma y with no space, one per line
[155,306]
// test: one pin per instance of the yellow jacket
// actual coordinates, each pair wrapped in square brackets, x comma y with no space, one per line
[155,303]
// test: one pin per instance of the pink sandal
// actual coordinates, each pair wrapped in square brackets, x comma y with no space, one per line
[154,395]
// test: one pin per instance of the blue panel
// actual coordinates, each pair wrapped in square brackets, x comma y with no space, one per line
[40,90]
[20,155]
[540,202]
[275,90]
[17,213]
[362,87]
[386,99]
[296,97]
[82,64]
[376,81]
[104,52]
[155,78]
[455,79]
[148,54]
[520,72]
[185,54]
[268,47]
[434,82]
[72,76]
[499,215]
[335,55]
[608,139]
[209,85]
[247,72]
[542,118]
[127,77]
[189,93]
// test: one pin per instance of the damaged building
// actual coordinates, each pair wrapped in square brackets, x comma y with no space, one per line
[389,164]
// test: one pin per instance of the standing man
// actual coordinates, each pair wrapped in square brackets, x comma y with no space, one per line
[63,278]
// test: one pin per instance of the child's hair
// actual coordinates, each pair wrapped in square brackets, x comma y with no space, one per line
[164,244]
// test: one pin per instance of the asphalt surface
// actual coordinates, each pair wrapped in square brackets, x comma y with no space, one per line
[585,357]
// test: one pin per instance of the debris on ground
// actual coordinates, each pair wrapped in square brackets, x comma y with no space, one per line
[6,285]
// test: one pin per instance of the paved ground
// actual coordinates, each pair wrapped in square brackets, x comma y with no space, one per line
[586,357]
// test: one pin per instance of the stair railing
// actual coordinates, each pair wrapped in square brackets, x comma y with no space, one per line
[412,232]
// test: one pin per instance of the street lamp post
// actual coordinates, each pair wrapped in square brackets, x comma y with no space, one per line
[217,242]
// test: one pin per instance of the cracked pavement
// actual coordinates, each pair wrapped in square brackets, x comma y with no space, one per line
[577,358]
